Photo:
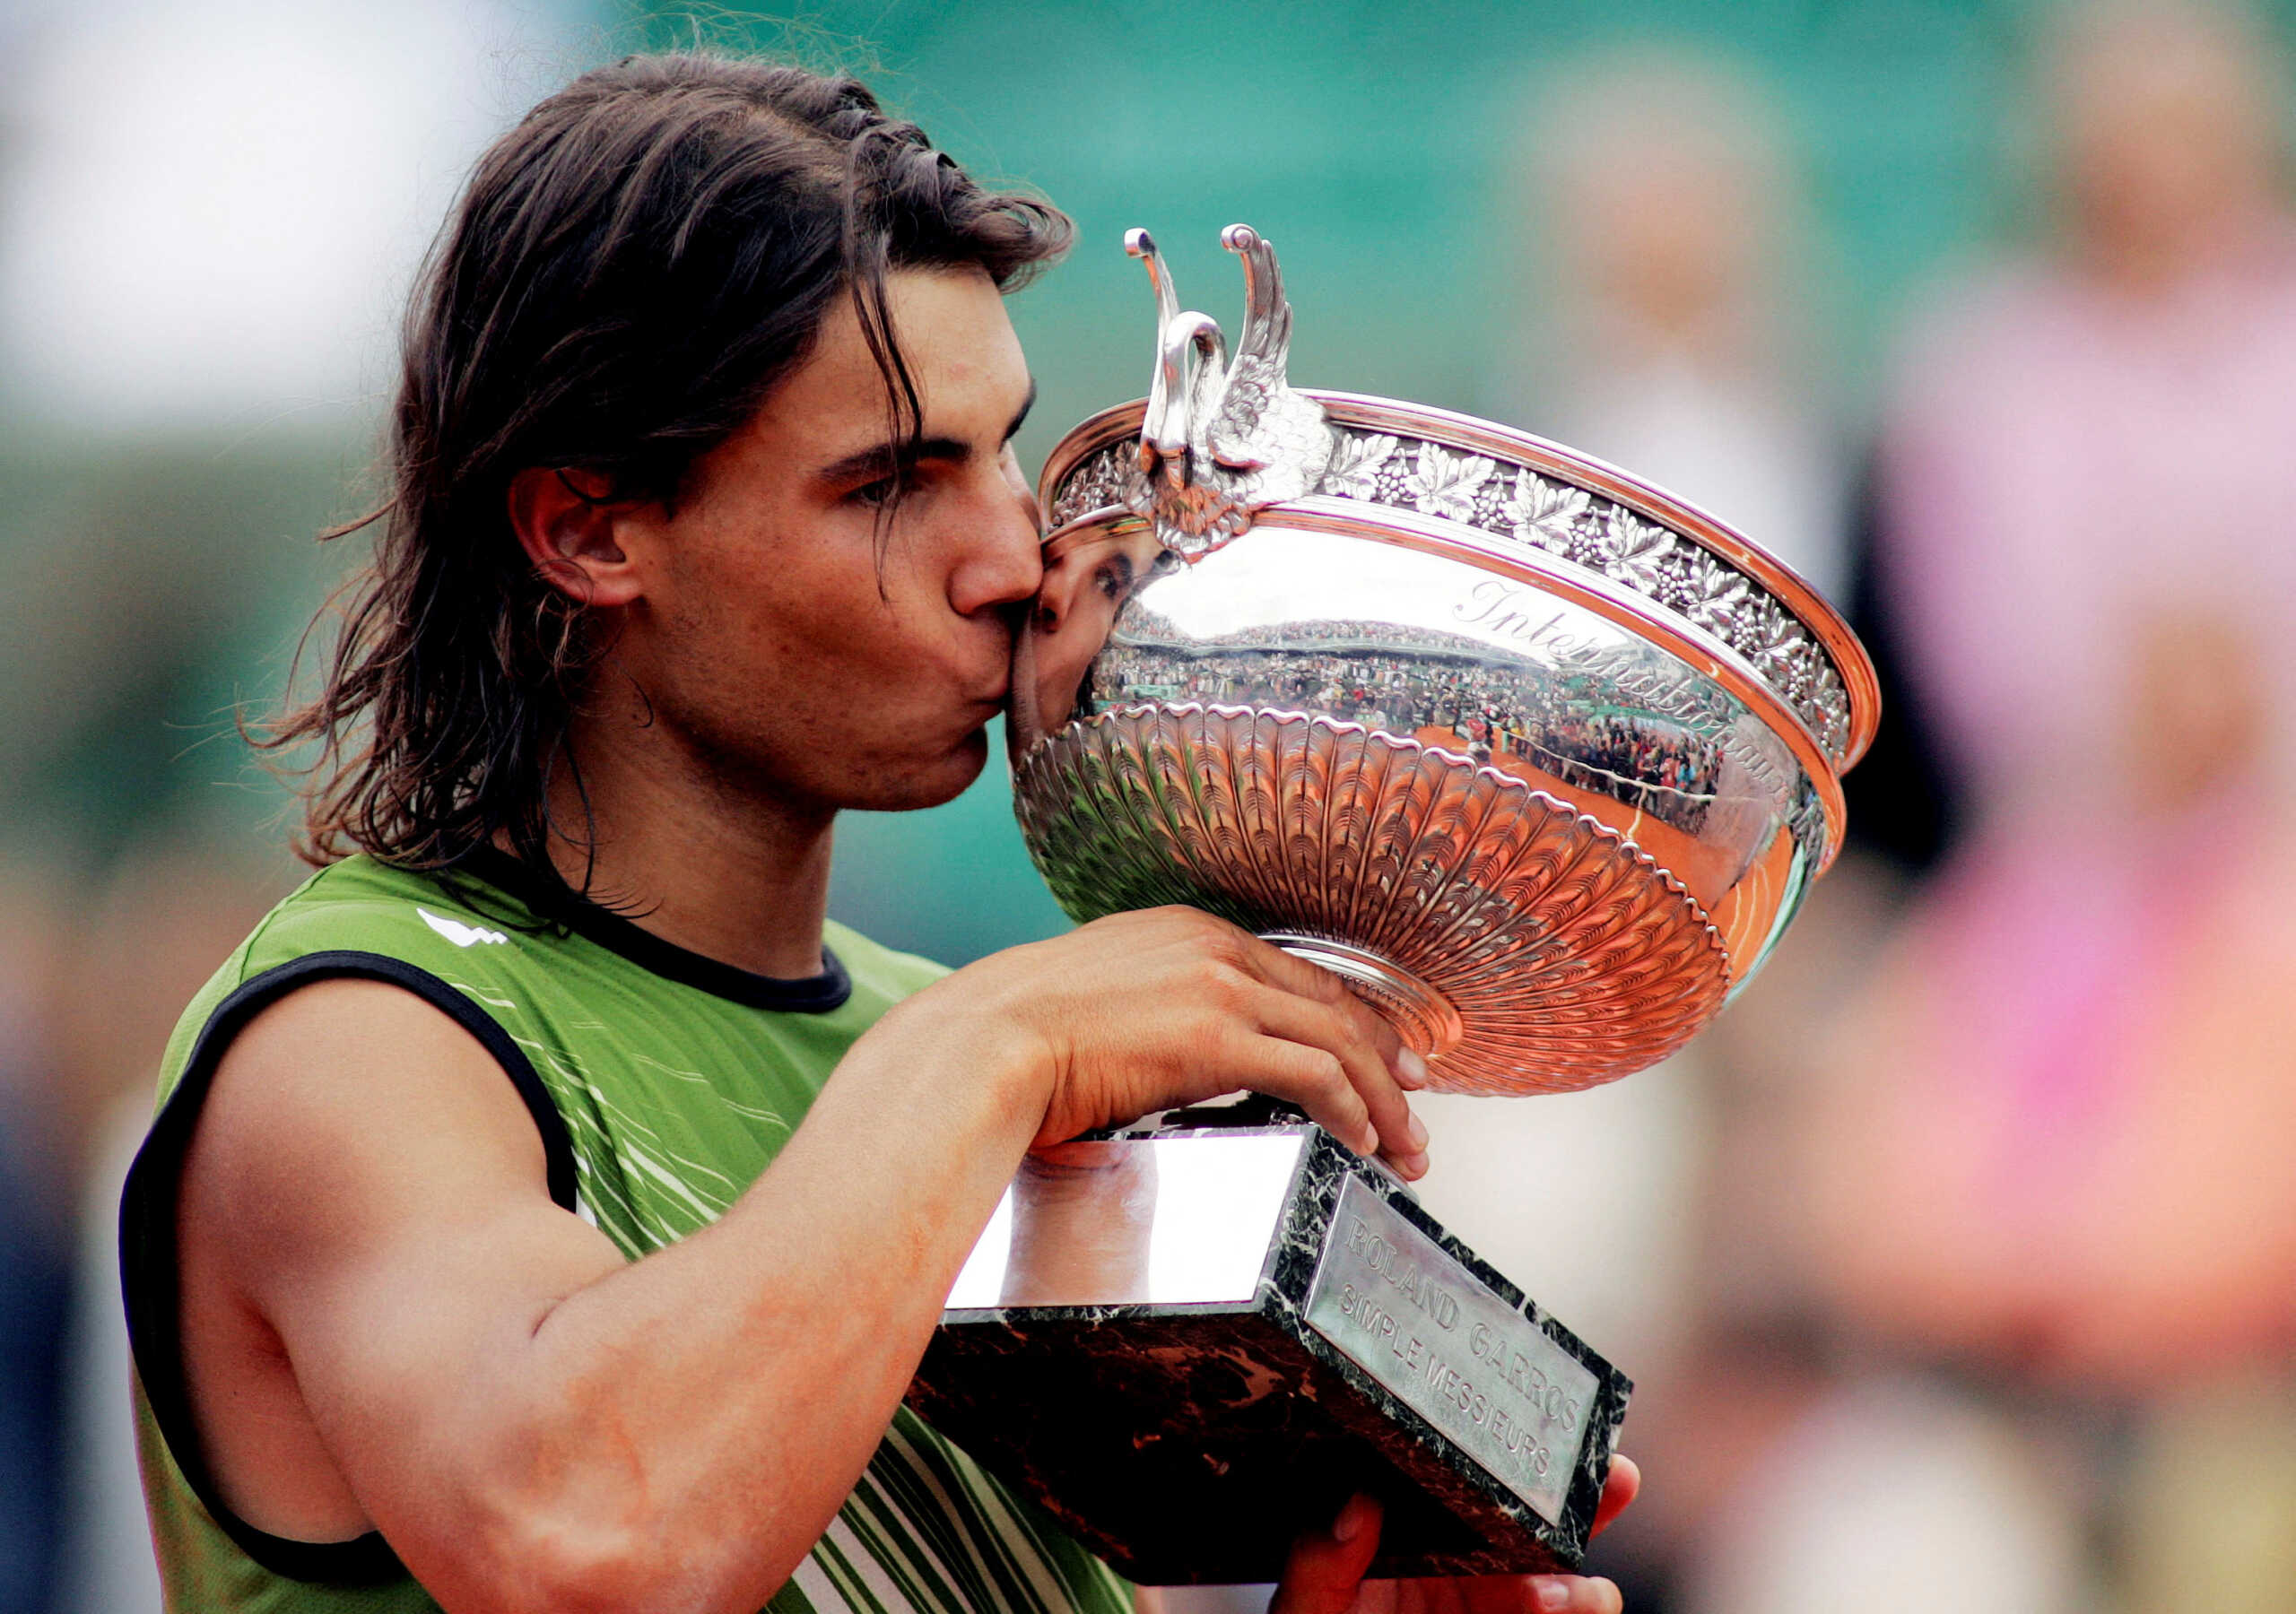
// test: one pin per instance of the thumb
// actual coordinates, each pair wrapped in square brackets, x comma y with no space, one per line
[1326,1568]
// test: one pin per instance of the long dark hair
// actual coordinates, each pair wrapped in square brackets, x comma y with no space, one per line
[630,272]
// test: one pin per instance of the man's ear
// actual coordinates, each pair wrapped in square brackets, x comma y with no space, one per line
[566,525]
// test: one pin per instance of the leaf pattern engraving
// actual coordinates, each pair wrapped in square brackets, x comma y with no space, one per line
[1356,464]
[1543,512]
[1803,671]
[1634,551]
[1443,484]
[1765,633]
[1718,590]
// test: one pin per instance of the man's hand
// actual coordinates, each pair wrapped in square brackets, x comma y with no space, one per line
[1142,1012]
[1325,1574]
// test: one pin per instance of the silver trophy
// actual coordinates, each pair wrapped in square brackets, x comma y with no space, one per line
[1540,760]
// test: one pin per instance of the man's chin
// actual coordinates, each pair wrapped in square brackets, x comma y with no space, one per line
[929,783]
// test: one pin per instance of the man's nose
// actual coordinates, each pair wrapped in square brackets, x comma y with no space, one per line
[1003,560]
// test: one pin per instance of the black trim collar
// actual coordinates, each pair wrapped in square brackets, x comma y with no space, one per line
[551,900]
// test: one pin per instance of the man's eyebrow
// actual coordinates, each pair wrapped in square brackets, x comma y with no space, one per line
[1021,416]
[884,459]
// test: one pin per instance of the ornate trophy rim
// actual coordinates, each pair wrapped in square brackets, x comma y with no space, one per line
[1809,609]
[1434,535]
[1438,535]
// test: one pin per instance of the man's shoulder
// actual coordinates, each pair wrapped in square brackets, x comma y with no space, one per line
[359,909]
[877,969]
[363,905]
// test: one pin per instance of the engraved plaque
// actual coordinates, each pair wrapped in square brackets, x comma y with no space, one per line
[1442,1342]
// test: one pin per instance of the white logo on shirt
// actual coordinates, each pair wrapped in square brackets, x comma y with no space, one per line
[458,932]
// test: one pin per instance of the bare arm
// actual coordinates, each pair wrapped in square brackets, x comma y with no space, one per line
[534,1423]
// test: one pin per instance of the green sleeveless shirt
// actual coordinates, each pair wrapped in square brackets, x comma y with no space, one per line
[662,1083]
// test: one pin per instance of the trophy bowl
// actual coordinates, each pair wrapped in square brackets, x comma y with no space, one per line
[1539,758]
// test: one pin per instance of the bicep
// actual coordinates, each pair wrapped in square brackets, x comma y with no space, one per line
[377,1194]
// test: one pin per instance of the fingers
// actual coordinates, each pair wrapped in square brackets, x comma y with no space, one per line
[1296,974]
[1313,1078]
[1215,1002]
[1509,1594]
[1393,1130]
[1353,1026]
[1571,1594]
[1324,1574]
[1623,1485]
[1318,985]
[1324,1569]
[1581,1595]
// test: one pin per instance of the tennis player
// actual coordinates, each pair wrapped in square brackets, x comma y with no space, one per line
[548,1205]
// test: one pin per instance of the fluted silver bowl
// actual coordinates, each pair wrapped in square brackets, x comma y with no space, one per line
[1539,757]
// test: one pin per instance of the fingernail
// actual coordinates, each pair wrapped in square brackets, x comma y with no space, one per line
[1412,1166]
[1351,1521]
[1416,1130]
[1553,1595]
[1410,1070]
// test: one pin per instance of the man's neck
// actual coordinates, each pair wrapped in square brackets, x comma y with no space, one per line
[732,876]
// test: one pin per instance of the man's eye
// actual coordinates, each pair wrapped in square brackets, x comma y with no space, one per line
[1113,577]
[876,494]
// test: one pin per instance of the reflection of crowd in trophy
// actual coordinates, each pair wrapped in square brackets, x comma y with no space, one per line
[1496,714]
[1143,624]
[1655,756]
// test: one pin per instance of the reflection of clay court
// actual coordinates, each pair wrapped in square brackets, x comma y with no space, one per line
[1646,775]
[1706,870]
[1703,869]
[1739,905]
[1562,954]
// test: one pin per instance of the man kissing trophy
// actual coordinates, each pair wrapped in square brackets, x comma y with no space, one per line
[1538,758]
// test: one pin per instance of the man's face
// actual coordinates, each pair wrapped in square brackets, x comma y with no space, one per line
[1087,580]
[788,640]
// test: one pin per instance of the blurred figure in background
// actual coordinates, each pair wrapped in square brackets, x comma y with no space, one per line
[139,943]
[91,973]
[34,1242]
[1675,337]
[2046,1147]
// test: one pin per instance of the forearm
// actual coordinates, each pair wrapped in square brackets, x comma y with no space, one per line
[683,1429]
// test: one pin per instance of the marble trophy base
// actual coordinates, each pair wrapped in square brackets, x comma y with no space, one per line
[1189,1342]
